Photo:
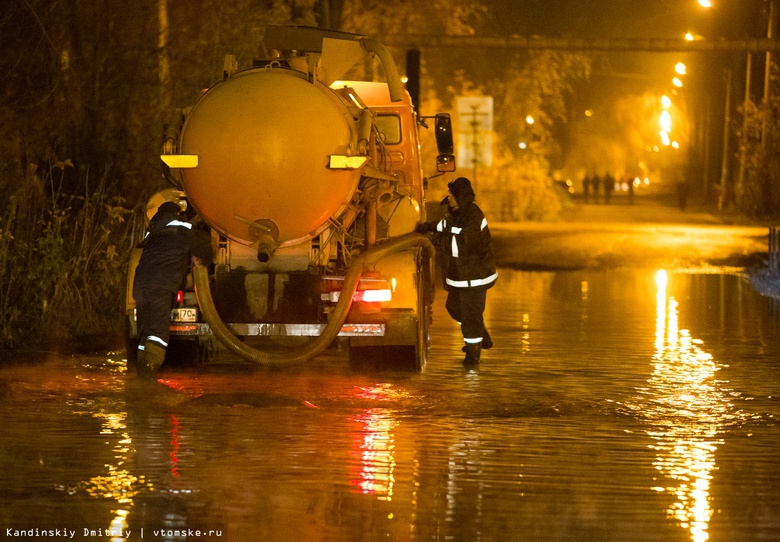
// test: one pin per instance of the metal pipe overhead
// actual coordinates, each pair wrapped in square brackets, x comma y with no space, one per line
[660,45]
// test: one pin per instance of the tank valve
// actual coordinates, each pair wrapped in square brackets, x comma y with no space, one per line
[265,248]
[264,234]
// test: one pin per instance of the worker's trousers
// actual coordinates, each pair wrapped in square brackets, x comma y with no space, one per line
[153,314]
[465,306]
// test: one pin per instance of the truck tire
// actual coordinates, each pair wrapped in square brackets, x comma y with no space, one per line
[408,357]
[423,338]
[131,349]
[185,353]
[425,292]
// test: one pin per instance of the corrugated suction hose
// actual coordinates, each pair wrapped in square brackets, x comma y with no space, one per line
[312,348]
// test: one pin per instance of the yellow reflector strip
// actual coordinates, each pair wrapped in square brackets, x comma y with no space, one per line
[338,161]
[180,160]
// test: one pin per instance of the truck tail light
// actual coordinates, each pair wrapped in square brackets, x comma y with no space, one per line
[369,290]
[179,296]
[372,296]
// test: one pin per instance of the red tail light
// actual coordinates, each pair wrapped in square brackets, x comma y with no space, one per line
[179,296]
[370,289]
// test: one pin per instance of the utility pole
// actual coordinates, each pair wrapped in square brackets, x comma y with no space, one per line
[767,76]
[767,109]
[725,190]
[474,143]
[475,124]
[740,188]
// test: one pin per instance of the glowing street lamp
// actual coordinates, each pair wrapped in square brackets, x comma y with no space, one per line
[705,3]
[666,121]
[680,68]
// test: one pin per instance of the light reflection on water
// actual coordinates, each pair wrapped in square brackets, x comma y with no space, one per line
[688,409]
[373,446]
[613,407]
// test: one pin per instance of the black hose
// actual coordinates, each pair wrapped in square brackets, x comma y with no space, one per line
[312,348]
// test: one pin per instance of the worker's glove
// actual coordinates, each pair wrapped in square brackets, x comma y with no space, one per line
[424,227]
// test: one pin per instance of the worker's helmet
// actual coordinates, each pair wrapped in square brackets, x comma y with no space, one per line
[168,195]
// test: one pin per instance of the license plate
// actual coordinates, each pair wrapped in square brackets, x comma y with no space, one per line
[184,314]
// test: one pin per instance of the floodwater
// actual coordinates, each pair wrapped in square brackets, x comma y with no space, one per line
[615,405]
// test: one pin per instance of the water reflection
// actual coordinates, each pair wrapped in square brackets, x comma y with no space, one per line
[466,485]
[689,410]
[373,447]
[118,483]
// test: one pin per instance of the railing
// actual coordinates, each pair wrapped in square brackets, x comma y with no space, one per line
[774,248]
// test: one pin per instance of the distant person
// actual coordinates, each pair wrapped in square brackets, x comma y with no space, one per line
[630,187]
[609,187]
[682,194]
[596,184]
[171,244]
[586,188]
[462,238]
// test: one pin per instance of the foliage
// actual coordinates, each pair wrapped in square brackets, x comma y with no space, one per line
[61,260]
[517,189]
[380,17]
[757,194]
[518,186]
[536,84]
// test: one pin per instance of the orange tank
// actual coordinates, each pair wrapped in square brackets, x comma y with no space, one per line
[263,139]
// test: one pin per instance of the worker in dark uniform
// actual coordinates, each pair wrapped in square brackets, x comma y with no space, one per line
[462,238]
[170,246]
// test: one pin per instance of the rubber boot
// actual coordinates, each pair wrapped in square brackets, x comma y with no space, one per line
[153,356]
[487,342]
[472,354]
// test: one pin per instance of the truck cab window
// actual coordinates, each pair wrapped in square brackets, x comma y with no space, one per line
[390,128]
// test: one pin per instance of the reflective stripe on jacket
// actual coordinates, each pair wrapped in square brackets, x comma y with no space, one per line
[463,238]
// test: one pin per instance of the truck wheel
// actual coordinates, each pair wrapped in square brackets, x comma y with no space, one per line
[184,354]
[423,338]
[131,349]
[424,312]
[405,356]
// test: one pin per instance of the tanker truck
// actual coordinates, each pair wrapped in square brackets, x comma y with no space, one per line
[310,188]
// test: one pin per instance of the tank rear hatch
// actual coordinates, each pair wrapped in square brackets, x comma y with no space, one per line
[263,139]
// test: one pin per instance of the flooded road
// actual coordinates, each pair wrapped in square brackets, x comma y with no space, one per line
[615,405]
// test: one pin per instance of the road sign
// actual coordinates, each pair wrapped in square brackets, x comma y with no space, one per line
[475,131]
